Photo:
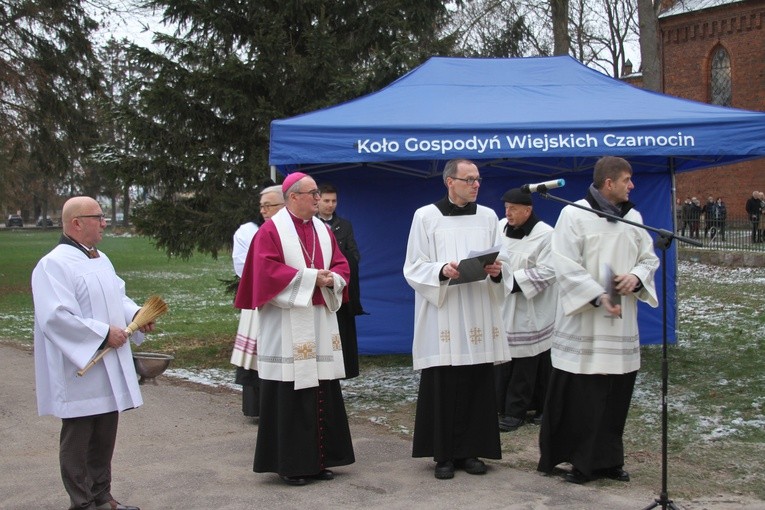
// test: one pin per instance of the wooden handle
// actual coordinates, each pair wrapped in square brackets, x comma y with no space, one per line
[132,327]
[95,360]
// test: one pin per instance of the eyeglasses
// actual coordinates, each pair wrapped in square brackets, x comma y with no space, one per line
[269,206]
[470,180]
[314,192]
[100,217]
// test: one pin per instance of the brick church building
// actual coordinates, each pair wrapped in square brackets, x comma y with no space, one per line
[713,51]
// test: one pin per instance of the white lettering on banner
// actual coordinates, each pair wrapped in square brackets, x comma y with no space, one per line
[479,145]
[369,147]
[678,140]
[543,143]
[547,142]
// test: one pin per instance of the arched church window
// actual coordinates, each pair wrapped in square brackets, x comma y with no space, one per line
[720,80]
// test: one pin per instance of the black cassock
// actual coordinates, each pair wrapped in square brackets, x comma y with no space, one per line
[456,414]
[584,419]
[346,315]
[301,432]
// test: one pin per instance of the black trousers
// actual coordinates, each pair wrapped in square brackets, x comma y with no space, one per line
[85,457]
[522,385]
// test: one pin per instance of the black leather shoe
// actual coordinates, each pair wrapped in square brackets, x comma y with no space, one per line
[509,423]
[617,474]
[472,466]
[293,480]
[537,419]
[114,505]
[444,470]
[324,474]
[576,476]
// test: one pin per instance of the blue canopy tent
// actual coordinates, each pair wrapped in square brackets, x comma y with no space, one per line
[522,121]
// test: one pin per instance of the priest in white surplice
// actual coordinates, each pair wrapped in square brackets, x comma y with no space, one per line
[458,331]
[81,307]
[596,345]
[531,297]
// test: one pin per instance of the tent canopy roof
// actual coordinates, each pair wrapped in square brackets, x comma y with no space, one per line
[539,116]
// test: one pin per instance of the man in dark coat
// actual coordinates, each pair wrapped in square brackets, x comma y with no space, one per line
[709,216]
[346,316]
[754,212]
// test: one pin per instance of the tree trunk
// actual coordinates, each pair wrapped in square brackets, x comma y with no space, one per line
[561,37]
[650,45]
[125,204]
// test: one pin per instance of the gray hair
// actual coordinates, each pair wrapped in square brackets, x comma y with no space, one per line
[295,188]
[276,188]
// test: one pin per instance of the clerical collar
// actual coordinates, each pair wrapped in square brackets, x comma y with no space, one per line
[523,230]
[598,202]
[449,208]
[65,239]
[297,219]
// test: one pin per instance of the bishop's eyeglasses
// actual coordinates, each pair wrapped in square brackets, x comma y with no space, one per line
[314,192]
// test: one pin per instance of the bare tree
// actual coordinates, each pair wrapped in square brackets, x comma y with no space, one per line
[491,28]
[650,52]
[602,32]
[599,32]
[561,38]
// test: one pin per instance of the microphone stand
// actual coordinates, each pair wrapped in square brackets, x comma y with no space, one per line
[662,242]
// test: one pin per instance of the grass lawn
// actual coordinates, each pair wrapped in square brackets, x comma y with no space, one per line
[717,374]
[201,324]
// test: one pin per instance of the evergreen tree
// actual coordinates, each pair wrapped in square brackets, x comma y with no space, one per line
[199,121]
[48,78]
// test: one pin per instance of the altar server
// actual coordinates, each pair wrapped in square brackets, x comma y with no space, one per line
[458,330]
[81,307]
[603,267]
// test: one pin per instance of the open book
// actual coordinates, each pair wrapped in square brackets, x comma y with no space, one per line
[471,268]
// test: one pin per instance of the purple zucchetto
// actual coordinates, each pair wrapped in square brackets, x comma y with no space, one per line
[292,179]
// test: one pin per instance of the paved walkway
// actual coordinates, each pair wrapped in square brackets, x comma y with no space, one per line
[189,447]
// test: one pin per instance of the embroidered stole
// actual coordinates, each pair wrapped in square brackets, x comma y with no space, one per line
[310,360]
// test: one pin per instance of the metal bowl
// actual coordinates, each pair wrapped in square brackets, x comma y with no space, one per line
[150,364]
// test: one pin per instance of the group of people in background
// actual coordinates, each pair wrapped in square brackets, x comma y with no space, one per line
[714,213]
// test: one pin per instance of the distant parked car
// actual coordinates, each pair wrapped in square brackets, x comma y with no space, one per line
[48,222]
[14,220]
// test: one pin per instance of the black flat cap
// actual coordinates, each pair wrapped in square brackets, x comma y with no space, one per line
[516,196]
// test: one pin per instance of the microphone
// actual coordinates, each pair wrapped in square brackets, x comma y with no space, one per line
[542,187]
